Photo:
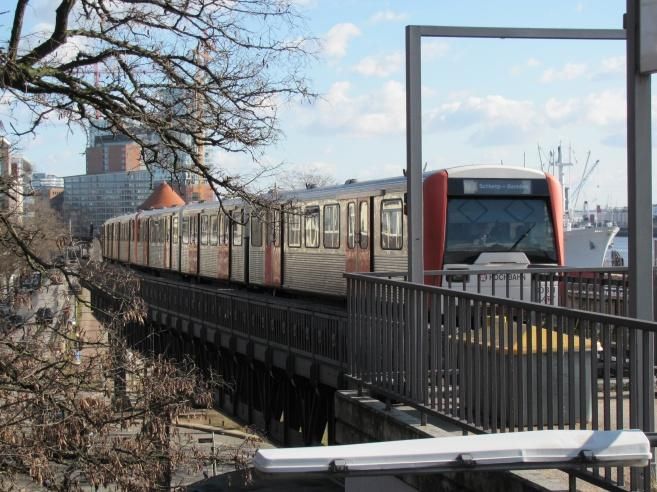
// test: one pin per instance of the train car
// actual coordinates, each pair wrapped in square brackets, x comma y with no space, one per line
[155,221]
[356,227]
[475,217]
[116,238]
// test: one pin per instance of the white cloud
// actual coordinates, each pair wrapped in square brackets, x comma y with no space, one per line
[492,109]
[530,63]
[381,65]
[569,71]
[606,108]
[433,49]
[337,39]
[428,91]
[560,111]
[379,112]
[490,120]
[388,16]
[613,65]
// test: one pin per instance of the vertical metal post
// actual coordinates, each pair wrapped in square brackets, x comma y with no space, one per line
[639,174]
[639,182]
[414,154]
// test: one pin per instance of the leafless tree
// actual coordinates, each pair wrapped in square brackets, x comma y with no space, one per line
[76,404]
[309,177]
[180,78]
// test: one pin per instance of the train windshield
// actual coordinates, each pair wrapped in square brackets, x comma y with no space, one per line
[476,225]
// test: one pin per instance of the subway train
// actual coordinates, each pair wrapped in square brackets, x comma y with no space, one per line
[474,216]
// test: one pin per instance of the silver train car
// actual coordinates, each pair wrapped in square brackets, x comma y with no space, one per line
[355,227]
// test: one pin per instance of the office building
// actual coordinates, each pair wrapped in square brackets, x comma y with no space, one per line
[91,199]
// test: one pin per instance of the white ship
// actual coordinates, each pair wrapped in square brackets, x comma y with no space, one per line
[586,241]
[587,244]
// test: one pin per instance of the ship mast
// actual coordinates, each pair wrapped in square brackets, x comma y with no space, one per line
[559,164]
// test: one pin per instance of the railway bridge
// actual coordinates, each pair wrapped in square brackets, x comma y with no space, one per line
[551,349]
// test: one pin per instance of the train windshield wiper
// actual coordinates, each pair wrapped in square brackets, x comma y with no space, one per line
[523,236]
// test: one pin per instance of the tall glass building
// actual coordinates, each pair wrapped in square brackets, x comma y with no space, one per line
[91,199]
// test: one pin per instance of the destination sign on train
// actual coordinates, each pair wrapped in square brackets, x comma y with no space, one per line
[497,186]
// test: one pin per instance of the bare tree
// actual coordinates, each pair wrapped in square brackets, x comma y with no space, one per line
[306,177]
[180,78]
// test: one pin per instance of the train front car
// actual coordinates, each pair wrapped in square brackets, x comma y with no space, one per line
[491,219]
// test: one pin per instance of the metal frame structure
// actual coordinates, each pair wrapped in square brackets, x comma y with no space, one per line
[639,164]
[490,364]
[414,35]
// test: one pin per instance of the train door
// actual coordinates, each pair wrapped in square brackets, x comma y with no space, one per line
[358,252]
[273,248]
[223,248]
[132,241]
[146,241]
[175,242]
[364,243]
[193,246]
[151,226]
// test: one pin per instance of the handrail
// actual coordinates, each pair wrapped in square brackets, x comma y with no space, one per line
[498,364]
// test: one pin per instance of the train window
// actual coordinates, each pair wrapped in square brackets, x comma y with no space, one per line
[193,230]
[237,228]
[273,225]
[167,238]
[204,229]
[364,239]
[214,229]
[311,223]
[351,225]
[294,228]
[152,233]
[174,229]
[256,231]
[185,230]
[332,226]
[478,224]
[391,224]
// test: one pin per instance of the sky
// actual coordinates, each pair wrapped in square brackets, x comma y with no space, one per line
[484,101]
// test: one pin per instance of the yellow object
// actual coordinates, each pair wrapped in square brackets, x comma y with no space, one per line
[529,338]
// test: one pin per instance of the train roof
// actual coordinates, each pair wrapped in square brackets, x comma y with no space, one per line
[353,188]
[398,183]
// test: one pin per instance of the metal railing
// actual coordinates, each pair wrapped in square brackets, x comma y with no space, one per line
[601,290]
[494,364]
[315,332]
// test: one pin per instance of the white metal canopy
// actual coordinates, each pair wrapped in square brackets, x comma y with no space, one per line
[536,449]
